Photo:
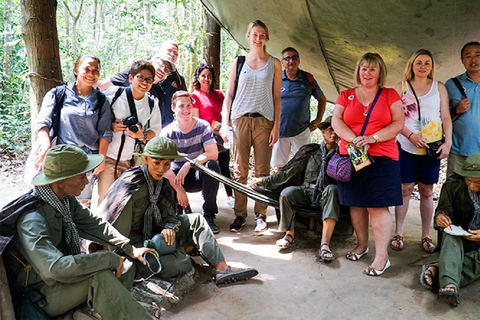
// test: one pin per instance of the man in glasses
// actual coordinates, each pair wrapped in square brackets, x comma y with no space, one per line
[295,125]
[167,79]
[137,117]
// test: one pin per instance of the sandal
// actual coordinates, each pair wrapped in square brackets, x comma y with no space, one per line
[428,274]
[355,256]
[371,271]
[450,294]
[285,243]
[428,245]
[397,243]
[324,252]
[229,276]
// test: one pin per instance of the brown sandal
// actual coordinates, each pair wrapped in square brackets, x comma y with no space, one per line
[397,243]
[428,245]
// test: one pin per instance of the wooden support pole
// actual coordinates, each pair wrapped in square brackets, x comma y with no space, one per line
[211,45]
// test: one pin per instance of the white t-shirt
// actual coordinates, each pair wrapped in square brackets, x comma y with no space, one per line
[121,110]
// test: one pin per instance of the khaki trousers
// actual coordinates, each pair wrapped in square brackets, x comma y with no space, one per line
[247,133]
[102,291]
[106,178]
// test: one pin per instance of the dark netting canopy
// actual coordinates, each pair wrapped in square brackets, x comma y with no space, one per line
[331,35]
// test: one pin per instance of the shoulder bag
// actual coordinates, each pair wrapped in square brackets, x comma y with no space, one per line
[340,167]
[432,146]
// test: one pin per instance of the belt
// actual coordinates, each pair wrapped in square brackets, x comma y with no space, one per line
[252,115]
[309,185]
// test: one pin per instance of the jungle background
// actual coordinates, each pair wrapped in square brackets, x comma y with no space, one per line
[117,32]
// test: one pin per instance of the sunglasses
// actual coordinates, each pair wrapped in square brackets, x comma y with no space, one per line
[288,59]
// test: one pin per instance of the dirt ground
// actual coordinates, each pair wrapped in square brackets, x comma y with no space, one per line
[296,285]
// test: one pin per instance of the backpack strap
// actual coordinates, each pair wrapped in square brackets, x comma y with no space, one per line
[100,101]
[453,112]
[310,79]
[59,98]
[240,63]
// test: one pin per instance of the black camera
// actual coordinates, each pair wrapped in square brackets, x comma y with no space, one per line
[131,123]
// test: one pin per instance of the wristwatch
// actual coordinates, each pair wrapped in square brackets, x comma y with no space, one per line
[376,137]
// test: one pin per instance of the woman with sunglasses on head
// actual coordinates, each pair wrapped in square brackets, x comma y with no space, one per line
[207,105]
[128,126]
[253,111]
[423,124]
[84,118]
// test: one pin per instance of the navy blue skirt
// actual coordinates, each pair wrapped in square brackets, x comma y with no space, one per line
[375,186]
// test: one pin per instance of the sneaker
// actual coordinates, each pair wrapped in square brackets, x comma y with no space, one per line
[237,224]
[211,223]
[231,202]
[260,223]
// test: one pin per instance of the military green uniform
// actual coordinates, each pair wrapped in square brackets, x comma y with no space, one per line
[192,228]
[69,280]
[297,196]
[459,261]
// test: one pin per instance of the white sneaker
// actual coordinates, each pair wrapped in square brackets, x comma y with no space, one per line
[231,202]
[260,223]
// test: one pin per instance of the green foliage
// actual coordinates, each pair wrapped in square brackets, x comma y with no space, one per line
[118,32]
[14,102]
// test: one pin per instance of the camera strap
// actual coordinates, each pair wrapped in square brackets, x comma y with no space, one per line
[133,112]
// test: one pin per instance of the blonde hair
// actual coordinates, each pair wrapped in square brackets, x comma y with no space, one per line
[408,74]
[370,59]
[261,24]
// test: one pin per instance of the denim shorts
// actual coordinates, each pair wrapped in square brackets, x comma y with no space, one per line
[418,168]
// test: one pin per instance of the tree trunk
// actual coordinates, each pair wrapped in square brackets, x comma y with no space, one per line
[147,18]
[7,62]
[211,45]
[75,18]
[39,31]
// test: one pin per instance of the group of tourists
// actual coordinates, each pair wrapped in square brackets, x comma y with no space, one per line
[135,138]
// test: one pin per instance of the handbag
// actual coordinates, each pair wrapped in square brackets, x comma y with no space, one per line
[432,146]
[340,167]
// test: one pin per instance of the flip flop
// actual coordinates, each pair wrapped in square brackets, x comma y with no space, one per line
[285,243]
[426,273]
[229,276]
[451,297]
[356,256]
[324,252]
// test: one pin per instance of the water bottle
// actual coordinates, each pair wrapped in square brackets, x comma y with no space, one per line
[228,144]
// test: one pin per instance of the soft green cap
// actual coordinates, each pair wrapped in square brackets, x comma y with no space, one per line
[325,123]
[161,148]
[65,161]
[471,166]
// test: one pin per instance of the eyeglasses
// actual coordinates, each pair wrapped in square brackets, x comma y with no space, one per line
[288,59]
[143,79]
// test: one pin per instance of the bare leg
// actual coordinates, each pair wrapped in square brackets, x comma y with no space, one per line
[382,229]
[401,211]
[327,231]
[426,207]
[359,218]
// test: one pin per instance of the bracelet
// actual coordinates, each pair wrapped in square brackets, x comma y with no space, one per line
[144,136]
[410,135]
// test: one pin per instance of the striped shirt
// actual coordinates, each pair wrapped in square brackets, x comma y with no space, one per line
[192,143]
[255,91]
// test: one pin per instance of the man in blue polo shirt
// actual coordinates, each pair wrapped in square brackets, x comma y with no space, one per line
[167,79]
[465,109]
[295,125]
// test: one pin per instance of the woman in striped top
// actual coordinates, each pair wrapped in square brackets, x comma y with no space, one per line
[252,107]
